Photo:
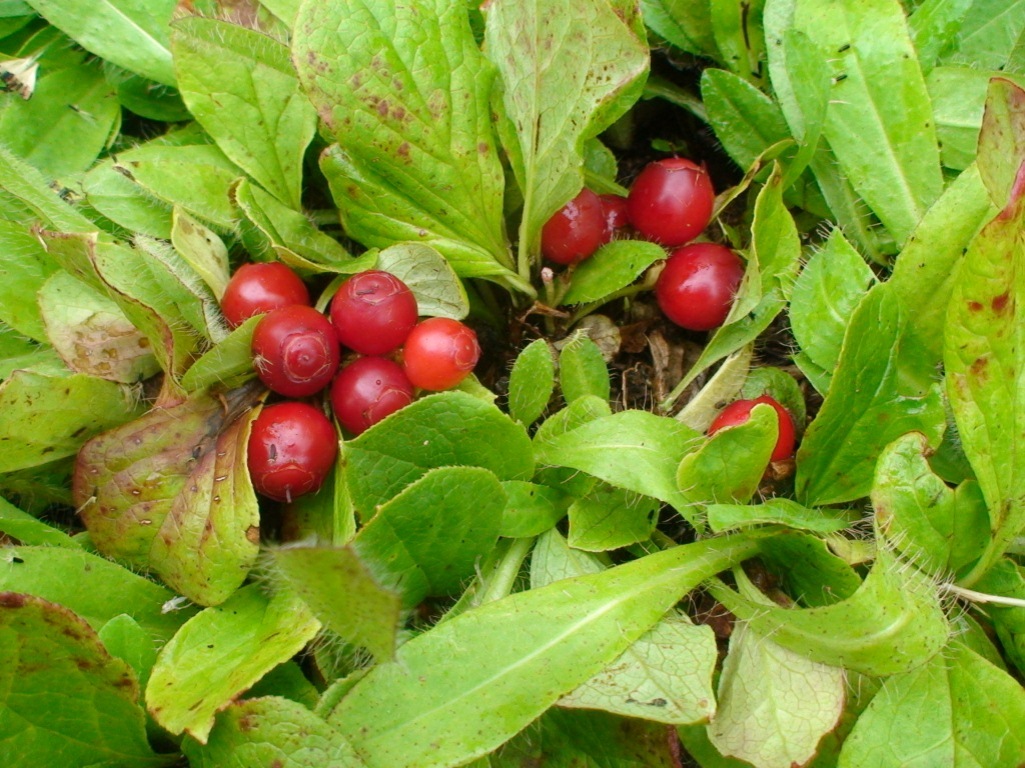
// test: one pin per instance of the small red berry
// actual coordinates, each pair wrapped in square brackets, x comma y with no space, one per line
[440,353]
[739,412]
[614,208]
[671,201]
[260,287]
[698,284]
[373,312]
[575,231]
[295,351]
[367,390]
[292,448]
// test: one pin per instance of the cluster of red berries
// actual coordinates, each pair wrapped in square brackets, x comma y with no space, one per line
[297,353]
[670,203]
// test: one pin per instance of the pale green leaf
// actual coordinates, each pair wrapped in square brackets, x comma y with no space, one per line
[531,382]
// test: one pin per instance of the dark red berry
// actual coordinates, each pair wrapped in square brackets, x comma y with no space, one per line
[292,448]
[575,231]
[367,390]
[614,208]
[295,351]
[373,312]
[698,284]
[671,201]
[440,353]
[261,287]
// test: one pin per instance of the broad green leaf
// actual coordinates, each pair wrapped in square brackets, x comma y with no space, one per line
[825,295]
[553,559]
[438,290]
[241,87]
[1006,579]
[405,92]
[285,10]
[634,450]
[808,569]
[94,588]
[984,358]
[119,198]
[292,237]
[483,676]
[202,249]
[131,33]
[146,98]
[612,267]
[1002,139]
[685,24]
[24,267]
[345,593]
[958,710]
[80,706]
[69,120]
[884,138]
[531,382]
[45,418]
[170,492]
[226,365]
[927,268]
[531,509]
[609,518]
[19,353]
[893,623]
[578,737]
[721,387]
[730,465]
[778,510]
[739,37]
[568,71]
[271,731]
[882,388]
[988,34]
[958,97]
[91,333]
[28,530]
[582,370]
[221,652]
[425,541]
[125,639]
[938,528]
[30,189]
[745,120]
[774,704]
[446,429]
[934,26]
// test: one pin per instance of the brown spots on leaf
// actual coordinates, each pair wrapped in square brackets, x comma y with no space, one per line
[246,723]
[403,151]
[978,367]
[975,306]
[1001,303]
[12,600]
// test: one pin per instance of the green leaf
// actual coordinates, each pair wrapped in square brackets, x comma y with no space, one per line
[744,119]
[146,98]
[426,540]
[777,511]
[825,295]
[634,450]
[730,465]
[957,710]
[739,38]
[28,530]
[884,140]
[44,418]
[221,652]
[609,518]
[24,267]
[612,267]
[69,120]
[582,370]
[809,569]
[531,509]
[958,99]
[80,706]
[446,429]
[568,70]
[405,92]
[117,197]
[774,704]
[91,333]
[927,268]
[30,188]
[984,357]
[438,290]
[893,623]
[1002,139]
[96,589]
[241,87]
[226,365]
[125,639]
[882,388]
[1006,579]
[170,492]
[934,25]
[988,34]
[131,33]
[531,382]
[686,25]
[202,249]
[938,528]
[483,676]
[271,731]
[345,593]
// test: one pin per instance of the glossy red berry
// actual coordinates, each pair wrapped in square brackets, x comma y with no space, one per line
[698,284]
[295,351]
[671,201]
[373,312]
[739,412]
[440,353]
[367,390]
[614,208]
[260,287]
[292,448]
[575,231]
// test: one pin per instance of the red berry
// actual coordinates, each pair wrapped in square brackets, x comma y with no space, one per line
[373,312]
[440,353]
[367,390]
[614,208]
[671,201]
[292,448]
[740,411]
[698,284]
[295,351]
[575,231]
[261,287]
